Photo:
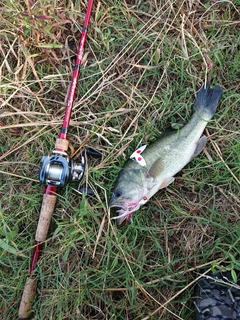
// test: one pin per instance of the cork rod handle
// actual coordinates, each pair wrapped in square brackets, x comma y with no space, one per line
[29,292]
[28,296]
[48,204]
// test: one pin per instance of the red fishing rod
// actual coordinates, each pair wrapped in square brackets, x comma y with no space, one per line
[57,170]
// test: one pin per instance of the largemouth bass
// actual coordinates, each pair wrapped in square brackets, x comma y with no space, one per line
[153,168]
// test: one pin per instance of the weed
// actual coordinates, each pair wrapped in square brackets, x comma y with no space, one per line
[143,63]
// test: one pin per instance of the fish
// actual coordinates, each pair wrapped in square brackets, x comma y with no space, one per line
[153,167]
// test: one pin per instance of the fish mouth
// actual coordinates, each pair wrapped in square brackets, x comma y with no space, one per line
[125,212]
[118,206]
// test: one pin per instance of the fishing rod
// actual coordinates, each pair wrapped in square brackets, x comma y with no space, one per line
[57,170]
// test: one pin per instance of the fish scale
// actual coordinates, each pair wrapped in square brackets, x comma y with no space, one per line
[164,158]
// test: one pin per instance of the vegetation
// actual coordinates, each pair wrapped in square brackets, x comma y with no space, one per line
[143,63]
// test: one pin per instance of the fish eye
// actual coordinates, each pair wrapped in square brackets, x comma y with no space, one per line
[118,193]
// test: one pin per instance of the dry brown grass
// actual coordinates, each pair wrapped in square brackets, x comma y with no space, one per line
[143,63]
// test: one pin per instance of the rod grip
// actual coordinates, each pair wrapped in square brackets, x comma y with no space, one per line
[48,204]
[61,144]
[27,300]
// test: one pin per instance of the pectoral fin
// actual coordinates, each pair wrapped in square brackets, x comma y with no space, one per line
[156,169]
[166,182]
[199,147]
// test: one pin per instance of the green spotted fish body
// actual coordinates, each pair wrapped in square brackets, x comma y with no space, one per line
[156,166]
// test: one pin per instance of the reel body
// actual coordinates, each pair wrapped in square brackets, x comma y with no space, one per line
[58,169]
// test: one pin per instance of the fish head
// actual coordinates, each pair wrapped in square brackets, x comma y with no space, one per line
[128,194]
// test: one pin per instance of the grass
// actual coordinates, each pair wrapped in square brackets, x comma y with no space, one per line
[143,63]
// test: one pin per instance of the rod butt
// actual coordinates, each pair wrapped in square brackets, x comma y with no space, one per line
[28,296]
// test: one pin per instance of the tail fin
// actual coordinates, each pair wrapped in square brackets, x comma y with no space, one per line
[207,101]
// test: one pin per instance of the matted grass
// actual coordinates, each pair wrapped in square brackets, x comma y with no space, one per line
[143,62]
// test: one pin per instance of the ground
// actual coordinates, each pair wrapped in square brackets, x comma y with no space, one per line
[143,64]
